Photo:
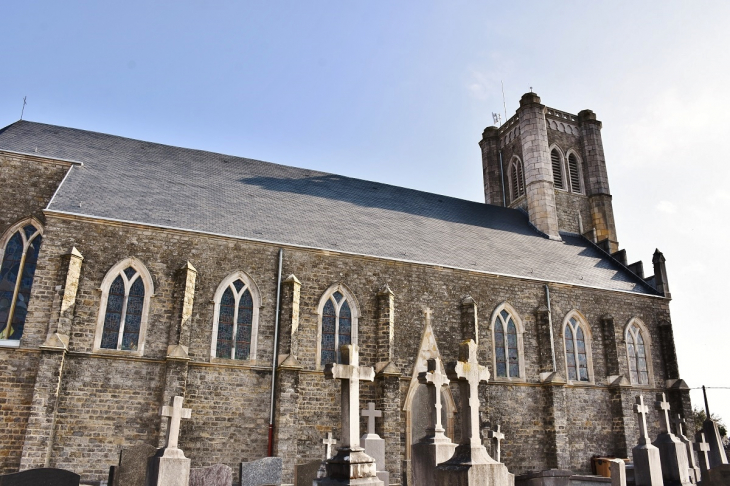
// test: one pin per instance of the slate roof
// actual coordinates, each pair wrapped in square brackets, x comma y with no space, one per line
[143,182]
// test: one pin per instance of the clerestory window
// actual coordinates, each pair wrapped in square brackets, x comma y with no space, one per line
[235,328]
[22,244]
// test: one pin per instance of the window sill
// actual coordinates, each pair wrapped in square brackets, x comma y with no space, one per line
[231,361]
[9,343]
[505,380]
[117,352]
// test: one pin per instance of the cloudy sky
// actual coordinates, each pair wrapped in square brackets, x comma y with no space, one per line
[399,92]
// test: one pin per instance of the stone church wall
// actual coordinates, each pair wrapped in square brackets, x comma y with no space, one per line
[109,402]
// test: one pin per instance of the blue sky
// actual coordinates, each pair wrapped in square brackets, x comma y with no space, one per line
[399,92]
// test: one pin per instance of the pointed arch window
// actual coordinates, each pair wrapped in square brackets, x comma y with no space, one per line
[637,352]
[126,292]
[577,351]
[508,345]
[557,163]
[574,173]
[516,179]
[338,324]
[236,315]
[19,259]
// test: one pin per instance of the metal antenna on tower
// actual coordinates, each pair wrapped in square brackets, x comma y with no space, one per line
[23,110]
[504,102]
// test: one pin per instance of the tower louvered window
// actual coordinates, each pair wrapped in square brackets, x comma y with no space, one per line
[16,279]
[517,181]
[557,169]
[574,175]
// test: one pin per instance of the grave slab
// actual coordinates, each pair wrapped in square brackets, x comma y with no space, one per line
[41,477]
[132,468]
[261,472]
[618,472]
[305,474]
[215,475]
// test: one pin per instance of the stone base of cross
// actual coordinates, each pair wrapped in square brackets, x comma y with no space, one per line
[351,465]
[471,464]
[673,453]
[169,466]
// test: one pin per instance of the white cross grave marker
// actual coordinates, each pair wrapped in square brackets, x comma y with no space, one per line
[703,447]
[497,435]
[434,380]
[176,412]
[351,373]
[642,410]
[678,422]
[468,374]
[371,413]
[328,443]
[662,405]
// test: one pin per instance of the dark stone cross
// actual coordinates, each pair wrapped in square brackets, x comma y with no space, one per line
[663,406]
[703,448]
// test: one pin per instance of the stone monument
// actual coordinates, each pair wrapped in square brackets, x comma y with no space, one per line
[702,448]
[435,447]
[618,472]
[374,445]
[169,466]
[132,467]
[497,436]
[471,464]
[673,453]
[694,470]
[647,461]
[350,466]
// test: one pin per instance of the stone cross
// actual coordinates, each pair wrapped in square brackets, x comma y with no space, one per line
[351,373]
[371,413]
[468,374]
[497,435]
[642,410]
[176,412]
[328,443]
[678,422]
[703,447]
[434,380]
[662,405]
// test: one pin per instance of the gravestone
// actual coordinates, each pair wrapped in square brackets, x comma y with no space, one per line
[373,444]
[261,472]
[647,461]
[132,468]
[305,474]
[41,477]
[717,476]
[215,475]
[694,470]
[350,465]
[703,449]
[434,448]
[169,466]
[717,454]
[497,436]
[673,453]
[471,464]
[618,472]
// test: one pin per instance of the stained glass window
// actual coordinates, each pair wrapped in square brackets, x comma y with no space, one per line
[576,354]
[499,348]
[336,327]
[507,355]
[235,322]
[124,311]
[636,351]
[16,280]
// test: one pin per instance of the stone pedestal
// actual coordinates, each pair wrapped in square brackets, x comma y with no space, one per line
[470,466]
[618,472]
[426,455]
[717,476]
[673,455]
[168,467]
[350,467]
[647,466]
[375,447]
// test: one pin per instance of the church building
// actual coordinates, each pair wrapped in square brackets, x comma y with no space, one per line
[133,272]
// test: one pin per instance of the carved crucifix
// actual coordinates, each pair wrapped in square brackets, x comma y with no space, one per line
[351,373]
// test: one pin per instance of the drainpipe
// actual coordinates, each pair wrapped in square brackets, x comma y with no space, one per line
[550,323]
[275,356]
[501,173]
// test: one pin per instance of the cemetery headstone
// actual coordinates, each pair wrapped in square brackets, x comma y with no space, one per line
[694,470]
[351,465]
[132,468]
[373,444]
[673,453]
[618,472]
[498,437]
[305,474]
[717,454]
[703,449]
[471,464]
[41,477]
[261,472]
[215,475]
[434,448]
[647,461]
[169,466]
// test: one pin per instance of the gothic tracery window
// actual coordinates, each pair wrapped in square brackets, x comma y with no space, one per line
[126,291]
[235,326]
[576,351]
[19,259]
[338,324]
[507,344]
[636,351]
